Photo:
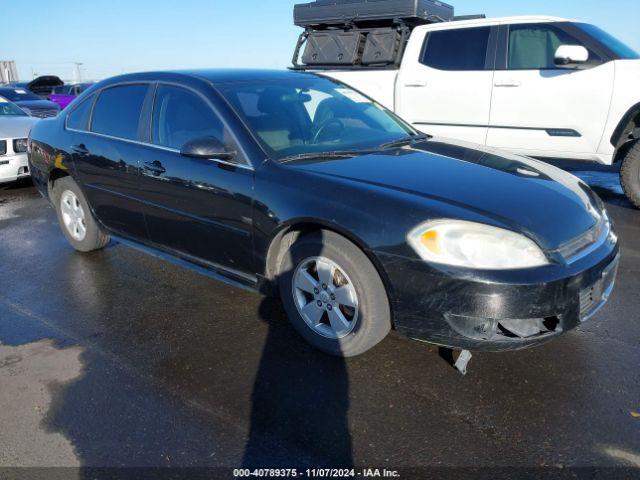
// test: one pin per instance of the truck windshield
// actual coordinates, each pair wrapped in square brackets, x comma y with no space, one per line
[302,117]
[622,50]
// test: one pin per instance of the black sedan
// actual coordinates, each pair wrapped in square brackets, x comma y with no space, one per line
[294,183]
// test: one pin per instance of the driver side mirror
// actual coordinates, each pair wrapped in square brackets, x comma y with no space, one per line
[209,148]
[571,55]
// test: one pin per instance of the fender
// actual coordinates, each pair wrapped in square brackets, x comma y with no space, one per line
[627,127]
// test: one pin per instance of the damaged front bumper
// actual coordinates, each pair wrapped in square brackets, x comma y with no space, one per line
[501,310]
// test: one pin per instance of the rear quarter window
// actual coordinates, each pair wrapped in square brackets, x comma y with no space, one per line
[78,119]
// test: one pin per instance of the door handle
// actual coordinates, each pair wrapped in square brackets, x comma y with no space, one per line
[154,167]
[416,84]
[80,149]
[508,84]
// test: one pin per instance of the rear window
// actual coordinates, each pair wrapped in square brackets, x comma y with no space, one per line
[461,49]
[117,111]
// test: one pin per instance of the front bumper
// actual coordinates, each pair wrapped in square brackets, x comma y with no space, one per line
[497,311]
[13,167]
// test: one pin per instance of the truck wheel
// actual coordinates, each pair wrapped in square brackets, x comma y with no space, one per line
[630,174]
[333,294]
[76,220]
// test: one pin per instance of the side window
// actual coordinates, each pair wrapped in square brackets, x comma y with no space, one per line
[78,119]
[462,49]
[533,46]
[117,111]
[180,115]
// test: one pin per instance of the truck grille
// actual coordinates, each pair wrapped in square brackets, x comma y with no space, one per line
[43,112]
[3,147]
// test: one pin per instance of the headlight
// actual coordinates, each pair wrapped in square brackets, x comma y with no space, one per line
[474,245]
[20,145]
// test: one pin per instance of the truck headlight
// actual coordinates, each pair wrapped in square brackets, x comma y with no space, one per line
[474,245]
[20,145]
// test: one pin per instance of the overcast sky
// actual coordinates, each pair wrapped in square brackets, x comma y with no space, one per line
[116,36]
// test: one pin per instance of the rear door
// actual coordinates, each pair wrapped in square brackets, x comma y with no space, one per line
[106,155]
[197,207]
[541,109]
[444,85]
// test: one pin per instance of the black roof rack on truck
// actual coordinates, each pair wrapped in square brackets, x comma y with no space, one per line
[357,34]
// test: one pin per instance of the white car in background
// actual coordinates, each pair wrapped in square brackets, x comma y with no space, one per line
[15,125]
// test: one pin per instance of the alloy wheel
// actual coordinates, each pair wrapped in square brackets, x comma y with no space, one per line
[73,215]
[325,297]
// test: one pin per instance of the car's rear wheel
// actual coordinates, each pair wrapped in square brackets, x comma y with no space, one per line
[333,294]
[630,174]
[76,220]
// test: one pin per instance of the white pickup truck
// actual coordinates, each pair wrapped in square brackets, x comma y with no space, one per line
[539,86]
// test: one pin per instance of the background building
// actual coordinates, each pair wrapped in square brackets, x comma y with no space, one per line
[8,71]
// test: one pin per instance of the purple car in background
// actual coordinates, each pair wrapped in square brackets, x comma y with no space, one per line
[65,94]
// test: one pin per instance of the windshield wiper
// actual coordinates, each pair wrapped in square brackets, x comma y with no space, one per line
[323,155]
[402,142]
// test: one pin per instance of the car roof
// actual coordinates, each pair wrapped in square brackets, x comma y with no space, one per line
[214,76]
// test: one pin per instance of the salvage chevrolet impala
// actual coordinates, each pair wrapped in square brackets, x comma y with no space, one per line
[294,183]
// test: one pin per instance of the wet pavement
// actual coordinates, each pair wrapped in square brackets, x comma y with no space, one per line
[119,359]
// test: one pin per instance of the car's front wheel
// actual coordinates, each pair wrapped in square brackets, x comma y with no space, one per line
[630,174]
[74,215]
[333,294]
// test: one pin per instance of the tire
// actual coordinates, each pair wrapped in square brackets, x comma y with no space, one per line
[90,236]
[367,315]
[630,174]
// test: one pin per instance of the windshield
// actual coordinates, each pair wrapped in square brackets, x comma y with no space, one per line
[18,94]
[620,49]
[313,116]
[10,109]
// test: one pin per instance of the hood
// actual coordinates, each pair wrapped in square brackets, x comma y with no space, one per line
[37,104]
[16,127]
[44,83]
[522,194]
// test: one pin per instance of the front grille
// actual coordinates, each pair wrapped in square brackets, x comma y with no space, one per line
[587,301]
[595,296]
[3,147]
[43,112]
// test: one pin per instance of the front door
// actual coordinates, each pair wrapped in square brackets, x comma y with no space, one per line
[200,208]
[541,109]
[445,88]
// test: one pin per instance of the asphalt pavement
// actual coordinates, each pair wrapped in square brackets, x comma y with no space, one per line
[119,359]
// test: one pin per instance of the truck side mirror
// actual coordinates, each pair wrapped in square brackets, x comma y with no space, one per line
[571,55]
